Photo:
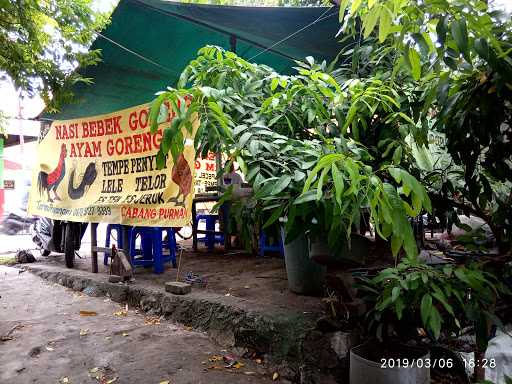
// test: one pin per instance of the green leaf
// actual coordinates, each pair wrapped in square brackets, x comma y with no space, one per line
[415,60]
[305,197]
[154,112]
[274,83]
[396,243]
[385,23]
[397,155]
[482,48]
[442,29]
[425,308]
[160,159]
[338,182]
[435,322]
[243,140]
[355,6]
[274,217]
[239,129]
[370,21]
[319,188]
[395,292]
[281,184]
[460,35]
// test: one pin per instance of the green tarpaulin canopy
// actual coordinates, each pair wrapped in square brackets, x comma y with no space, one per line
[149,42]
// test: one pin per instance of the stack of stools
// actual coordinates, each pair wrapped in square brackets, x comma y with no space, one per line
[210,239]
[153,250]
[152,245]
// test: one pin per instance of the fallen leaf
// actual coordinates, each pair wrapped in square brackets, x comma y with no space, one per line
[165,382]
[152,320]
[247,287]
[188,328]
[258,361]
[215,367]
[108,337]
[216,358]
[84,332]
[50,349]
[121,313]
[238,365]
[88,313]
[125,334]
[275,376]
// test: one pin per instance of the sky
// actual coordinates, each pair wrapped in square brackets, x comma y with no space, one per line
[31,107]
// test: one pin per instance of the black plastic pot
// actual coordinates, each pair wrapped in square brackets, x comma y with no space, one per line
[305,276]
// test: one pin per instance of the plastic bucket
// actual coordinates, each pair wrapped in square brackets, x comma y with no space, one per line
[389,370]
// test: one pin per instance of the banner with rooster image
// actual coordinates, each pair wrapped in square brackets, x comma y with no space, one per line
[104,169]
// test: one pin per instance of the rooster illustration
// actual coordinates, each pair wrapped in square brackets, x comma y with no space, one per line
[88,178]
[181,175]
[50,181]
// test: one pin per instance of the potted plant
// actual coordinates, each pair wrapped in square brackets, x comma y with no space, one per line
[299,152]
[423,305]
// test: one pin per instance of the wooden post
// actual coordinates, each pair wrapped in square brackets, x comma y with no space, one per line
[94,244]
[126,240]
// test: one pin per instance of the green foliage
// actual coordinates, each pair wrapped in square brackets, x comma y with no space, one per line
[299,142]
[454,61]
[44,41]
[443,301]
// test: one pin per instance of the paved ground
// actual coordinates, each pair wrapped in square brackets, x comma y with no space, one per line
[44,339]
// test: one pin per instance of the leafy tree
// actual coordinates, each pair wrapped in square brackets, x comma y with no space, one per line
[454,61]
[44,41]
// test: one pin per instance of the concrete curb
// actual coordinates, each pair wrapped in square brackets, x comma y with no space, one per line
[278,335]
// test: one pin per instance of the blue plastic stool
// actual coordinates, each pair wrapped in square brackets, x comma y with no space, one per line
[264,247]
[119,231]
[209,239]
[152,246]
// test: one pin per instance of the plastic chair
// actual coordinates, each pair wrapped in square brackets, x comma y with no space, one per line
[151,251]
[119,231]
[209,239]
[277,246]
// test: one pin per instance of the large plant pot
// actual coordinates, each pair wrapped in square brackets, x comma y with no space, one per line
[305,277]
[366,366]
[356,253]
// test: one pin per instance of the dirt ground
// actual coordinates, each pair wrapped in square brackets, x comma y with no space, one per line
[261,281]
[44,339]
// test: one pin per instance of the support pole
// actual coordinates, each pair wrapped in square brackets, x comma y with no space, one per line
[94,244]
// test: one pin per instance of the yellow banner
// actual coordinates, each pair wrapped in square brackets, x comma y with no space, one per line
[104,169]
[206,173]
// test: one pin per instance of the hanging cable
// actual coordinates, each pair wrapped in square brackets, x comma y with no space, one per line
[318,19]
[252,42]
[135,53]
